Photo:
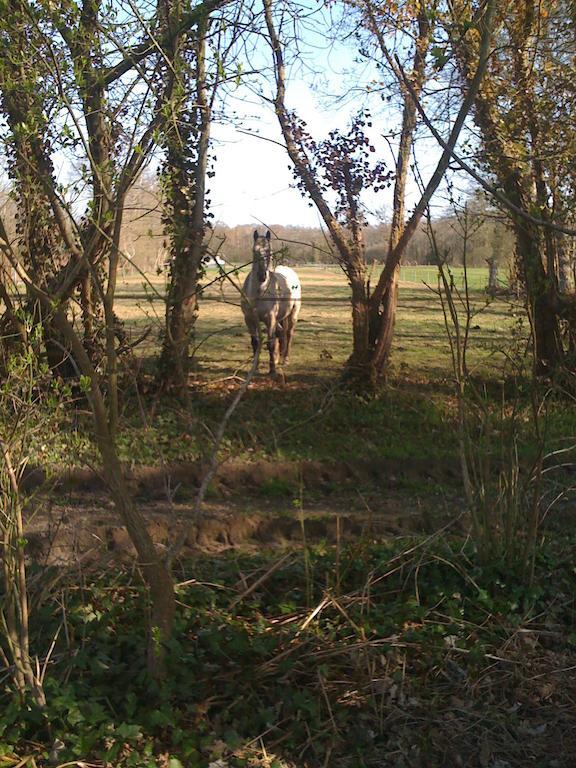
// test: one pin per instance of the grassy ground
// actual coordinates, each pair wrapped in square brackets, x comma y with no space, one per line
[311,417]
[323,339]
[397,651]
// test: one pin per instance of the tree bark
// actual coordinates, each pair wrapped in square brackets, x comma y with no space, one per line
[548,348]
[358,362]
[154,572]
[188,144]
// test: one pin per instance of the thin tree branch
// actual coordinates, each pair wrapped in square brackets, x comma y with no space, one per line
[442,166]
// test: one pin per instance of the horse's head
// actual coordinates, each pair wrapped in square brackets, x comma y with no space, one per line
[261,255]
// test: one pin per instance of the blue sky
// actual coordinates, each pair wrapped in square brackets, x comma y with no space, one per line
[253,183]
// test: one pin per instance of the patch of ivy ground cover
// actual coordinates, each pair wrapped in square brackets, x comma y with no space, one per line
[336,653]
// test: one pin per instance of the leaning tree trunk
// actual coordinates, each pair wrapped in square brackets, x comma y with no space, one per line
[155,573]
[382,329]
[383,310]
[295,138]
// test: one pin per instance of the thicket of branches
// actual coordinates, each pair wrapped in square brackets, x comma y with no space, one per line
[92,92]
[104,99]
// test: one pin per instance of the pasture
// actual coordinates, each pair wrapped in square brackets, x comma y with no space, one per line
[306,417]
[324,329]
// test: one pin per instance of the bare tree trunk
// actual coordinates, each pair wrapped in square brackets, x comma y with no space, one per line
[383,312]
[155,573]
[409,228]
[565,278]
[383,324]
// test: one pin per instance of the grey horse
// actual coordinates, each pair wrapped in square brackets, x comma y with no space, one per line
[272,297]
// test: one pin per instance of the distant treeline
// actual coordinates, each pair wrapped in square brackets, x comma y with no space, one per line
[143,245]
[487,237]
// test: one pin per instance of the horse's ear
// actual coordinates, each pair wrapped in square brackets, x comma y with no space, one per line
[268,235]
[255,235]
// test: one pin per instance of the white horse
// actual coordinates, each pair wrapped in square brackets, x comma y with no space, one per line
[273,297]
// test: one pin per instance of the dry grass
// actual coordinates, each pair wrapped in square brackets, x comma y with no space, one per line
[323,337]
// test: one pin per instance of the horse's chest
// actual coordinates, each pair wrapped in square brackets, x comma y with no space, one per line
[270,302]
[266,297]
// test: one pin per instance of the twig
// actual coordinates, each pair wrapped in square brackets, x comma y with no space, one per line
[212,467]
[258,583]
[312,615]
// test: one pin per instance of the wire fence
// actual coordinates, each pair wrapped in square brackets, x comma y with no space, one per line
[215,287]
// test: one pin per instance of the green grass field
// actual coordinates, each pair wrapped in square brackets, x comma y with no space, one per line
[323,336]
[311,416]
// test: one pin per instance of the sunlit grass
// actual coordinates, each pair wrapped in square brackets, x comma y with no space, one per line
[323,337]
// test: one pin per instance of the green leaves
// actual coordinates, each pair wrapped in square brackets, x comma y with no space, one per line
[439,55]
[414,626]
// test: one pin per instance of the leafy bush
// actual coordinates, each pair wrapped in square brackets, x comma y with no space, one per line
[313,659]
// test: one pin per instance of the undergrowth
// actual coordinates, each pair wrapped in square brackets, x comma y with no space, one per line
[405,422]
[404,655]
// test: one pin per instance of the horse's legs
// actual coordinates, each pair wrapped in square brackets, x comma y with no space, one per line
[253,325]
[273,349]
[272,328]
[289,324]
[288,342]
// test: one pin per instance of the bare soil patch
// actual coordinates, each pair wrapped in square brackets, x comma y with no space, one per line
[251,505]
